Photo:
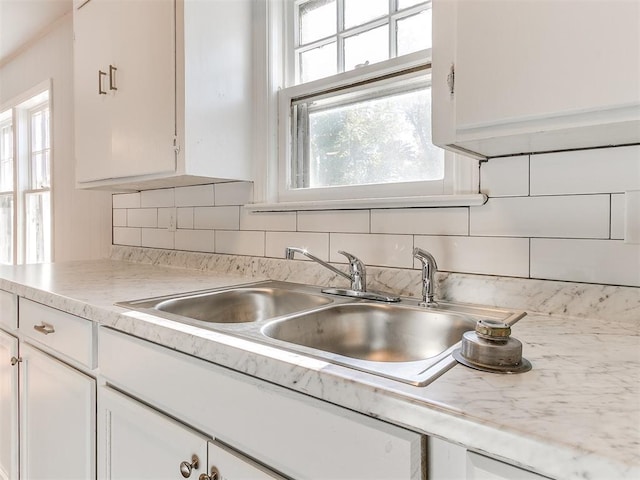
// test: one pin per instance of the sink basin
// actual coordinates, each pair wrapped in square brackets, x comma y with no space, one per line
[237,305]
[373,332]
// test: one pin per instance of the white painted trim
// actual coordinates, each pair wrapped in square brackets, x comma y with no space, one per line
[364,203]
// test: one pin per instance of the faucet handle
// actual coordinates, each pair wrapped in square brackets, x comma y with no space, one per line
[357,270]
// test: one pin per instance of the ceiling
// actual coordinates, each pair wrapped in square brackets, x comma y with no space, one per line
[24,20]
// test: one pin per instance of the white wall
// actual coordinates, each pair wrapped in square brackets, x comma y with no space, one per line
[558,216]
[82,220]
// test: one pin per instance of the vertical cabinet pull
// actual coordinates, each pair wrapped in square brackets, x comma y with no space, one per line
[112,77]
[44,328]
[100,75]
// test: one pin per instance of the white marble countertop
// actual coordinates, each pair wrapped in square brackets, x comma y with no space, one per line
[575,415]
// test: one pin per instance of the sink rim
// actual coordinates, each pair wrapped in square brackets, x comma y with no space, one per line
[416,372]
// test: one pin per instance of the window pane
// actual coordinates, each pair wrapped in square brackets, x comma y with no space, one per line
[368,47]
[39,167]
[383,140]
[6,229]
[6,157]
[317,19]
[414,33]
[358,12]
[318,63]
[40,170]
[408,3]
[38,227]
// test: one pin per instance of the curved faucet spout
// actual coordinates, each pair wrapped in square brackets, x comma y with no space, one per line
[289,253]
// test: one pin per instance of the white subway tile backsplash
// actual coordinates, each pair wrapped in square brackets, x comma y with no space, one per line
[483,255]
[195,240]
[316,243]
[185,217]
[157,198]
[164,216]
[373,249]
[196,196]
[617,216]
[142,217]
[157,238]
[559,216]
[605,170]
[126,200]
[425,221]
[270,221]
[127,236]
[344,221]
[574,216]
[632,217]
[119,217]
[240,243]
[505,177]
[610,262]
[216,218]
[233,193]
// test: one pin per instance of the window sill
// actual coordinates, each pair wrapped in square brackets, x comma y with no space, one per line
[365,203]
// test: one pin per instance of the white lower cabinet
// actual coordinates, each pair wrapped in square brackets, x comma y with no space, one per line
[57,418]
[8,406]
[267,428]
[453,462]
[138,442]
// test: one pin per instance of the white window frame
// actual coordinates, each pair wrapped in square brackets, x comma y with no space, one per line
[275,90]
[21,108]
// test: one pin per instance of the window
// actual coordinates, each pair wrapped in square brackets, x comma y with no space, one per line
[355,116]
[25,181]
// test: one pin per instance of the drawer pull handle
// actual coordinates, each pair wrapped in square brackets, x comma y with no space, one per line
[45,328]
[186,467]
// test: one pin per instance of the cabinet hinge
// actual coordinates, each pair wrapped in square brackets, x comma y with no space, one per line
[451,79]
[176,147]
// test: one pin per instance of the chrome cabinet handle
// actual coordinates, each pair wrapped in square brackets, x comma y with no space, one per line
[44,328]
[112,77]
[215,475]
[15,361]
[100,75]
[186,467]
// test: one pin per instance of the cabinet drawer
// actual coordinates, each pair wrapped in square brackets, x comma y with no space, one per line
[297,435]
[8,310]
[72,336]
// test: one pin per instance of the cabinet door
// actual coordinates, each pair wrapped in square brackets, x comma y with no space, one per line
[230,465]
[483,468]
[536,76]
[8,407]
[135,441]
[57,419]
[92,123]
[143,122]
[129,130]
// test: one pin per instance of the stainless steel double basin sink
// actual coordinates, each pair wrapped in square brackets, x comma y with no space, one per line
[402,341]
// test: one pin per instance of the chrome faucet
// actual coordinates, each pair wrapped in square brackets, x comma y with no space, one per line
[357,271]
[357,276]
[429,269]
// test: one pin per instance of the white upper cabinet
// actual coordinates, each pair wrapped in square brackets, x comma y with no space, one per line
[521,76]
[162,92]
